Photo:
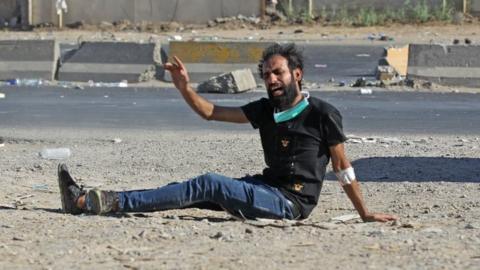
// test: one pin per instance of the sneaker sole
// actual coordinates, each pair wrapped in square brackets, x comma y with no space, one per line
[95,197]
[63,188]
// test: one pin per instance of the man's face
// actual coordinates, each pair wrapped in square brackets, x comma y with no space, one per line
[281,82]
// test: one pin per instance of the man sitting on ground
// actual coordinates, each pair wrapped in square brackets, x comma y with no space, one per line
[299,135]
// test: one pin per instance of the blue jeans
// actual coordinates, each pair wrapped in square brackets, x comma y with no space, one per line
[247,197]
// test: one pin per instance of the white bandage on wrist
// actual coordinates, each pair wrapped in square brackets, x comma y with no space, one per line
[346,177]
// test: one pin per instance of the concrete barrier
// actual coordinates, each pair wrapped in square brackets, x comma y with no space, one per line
[234,82]
[32,59]
[109,62]
[185,11]
[445,64]
[206,59]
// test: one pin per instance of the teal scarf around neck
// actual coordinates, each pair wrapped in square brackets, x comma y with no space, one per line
[292,112]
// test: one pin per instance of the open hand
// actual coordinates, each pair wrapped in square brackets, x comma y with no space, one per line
[379,217]
[178,72]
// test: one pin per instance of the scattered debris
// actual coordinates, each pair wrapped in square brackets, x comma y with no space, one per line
[380,37]
[385,73]
[362,82]
[27,82]
[237,81]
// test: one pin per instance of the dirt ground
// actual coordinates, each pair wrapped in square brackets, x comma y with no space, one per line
[430,181]
[398,34]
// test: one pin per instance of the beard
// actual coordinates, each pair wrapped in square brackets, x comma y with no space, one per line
[284,101]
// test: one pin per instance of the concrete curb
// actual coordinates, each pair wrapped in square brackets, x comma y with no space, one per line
[29,59]
[109,62]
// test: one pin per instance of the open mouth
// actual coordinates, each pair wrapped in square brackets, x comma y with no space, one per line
[276,91]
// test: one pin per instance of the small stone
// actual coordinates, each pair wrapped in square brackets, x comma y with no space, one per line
[211,23]
[248,230]
[218,235]
[164,235]
[473,226]
[432,230]
[142,234]
[421,141]
[375,246]
[380,232]
[409,242]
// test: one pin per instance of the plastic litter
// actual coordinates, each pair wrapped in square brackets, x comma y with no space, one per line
[41,187]
[345,218]
[365,91]
[55,153]
[122,84]
[26,82]
[2,95]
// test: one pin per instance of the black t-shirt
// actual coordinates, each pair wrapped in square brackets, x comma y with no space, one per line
[296,151]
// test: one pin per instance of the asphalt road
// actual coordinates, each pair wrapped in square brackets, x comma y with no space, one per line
[340,62]
[163,109]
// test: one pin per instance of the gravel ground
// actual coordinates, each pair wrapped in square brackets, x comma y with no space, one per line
[431,182]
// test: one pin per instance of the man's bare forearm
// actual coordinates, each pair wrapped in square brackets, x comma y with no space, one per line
[355,195]
[199,104]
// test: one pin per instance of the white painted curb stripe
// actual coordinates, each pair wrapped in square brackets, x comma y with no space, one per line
[218,68]
[10,66]
[104,68]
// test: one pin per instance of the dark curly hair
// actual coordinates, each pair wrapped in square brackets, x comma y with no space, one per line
[290,51]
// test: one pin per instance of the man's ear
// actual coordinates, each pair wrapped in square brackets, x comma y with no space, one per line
[297,74]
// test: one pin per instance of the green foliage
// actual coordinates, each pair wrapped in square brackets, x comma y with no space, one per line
[367,17]
[417,12]
[421,12]
[343,17]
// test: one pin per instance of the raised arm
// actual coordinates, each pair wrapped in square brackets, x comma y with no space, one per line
[341,167]
[199,104]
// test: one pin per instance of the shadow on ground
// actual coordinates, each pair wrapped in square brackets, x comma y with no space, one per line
[415,169]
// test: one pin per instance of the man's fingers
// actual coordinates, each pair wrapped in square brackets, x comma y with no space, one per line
[168,66]
[178,62]
[386,217]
